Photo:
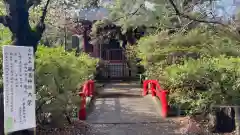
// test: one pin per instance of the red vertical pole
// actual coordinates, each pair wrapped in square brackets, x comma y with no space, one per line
[82,111]
[91,87]
[145,87]
[88,89]
[153,88]
[163,98]
[84,90]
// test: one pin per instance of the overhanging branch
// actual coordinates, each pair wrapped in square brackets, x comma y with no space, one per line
[44,12]
[191,17]
[130,14]
[41,26]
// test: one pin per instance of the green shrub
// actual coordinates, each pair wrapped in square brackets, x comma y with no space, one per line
[58,77]
[59,74]
[198,84]
[170,49]
[200,68]
[5,36]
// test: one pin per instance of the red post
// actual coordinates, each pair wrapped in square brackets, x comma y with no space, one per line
[153,88]
[82,111]
[157,91]
[163,98]
[86,89]
[91,87]
[145,87]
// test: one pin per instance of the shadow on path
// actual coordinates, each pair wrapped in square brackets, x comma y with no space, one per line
[118,95]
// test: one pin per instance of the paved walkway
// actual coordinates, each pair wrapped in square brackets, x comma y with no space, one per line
[121,110]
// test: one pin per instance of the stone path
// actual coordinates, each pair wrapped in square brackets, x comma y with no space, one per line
[121,110]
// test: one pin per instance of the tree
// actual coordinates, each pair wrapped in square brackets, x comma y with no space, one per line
[25,32]
[58,20]
[17,20]
[161,14]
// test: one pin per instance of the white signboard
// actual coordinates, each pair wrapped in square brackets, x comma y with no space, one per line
[19,88]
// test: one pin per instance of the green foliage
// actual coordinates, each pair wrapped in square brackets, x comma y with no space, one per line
[158,13]
[200,68]
[58,77]
[103,31]
[5,35]
[132,54]
[197,84]
[133,14]
[2,11]
[5,39]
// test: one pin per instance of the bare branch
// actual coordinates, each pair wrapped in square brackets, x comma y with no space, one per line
[3,20]
[43,103]
[129,14]
[41,26]
[191,17]
[44,12]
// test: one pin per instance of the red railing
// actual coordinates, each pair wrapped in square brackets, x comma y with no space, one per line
[87,91]
[157,91]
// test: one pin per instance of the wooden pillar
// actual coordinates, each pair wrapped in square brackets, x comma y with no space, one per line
[96,51]
[85,40]
[75,41]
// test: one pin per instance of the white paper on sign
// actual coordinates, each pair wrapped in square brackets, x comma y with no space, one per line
[19,88]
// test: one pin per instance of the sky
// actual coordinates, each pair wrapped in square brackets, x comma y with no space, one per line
[229,6]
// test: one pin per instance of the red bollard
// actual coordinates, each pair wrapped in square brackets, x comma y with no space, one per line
[86,89]
[163,98]
[153,88]
[82,111]
[91,87]
[145,87]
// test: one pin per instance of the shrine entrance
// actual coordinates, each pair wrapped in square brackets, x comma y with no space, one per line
[115,64]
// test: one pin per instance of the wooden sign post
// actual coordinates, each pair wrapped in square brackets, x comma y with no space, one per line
[19,89]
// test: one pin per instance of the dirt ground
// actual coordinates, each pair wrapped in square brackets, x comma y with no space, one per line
[192,126]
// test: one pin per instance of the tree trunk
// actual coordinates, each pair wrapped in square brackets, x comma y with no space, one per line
[224,120]
[18,23]
[237,120]
[17,20]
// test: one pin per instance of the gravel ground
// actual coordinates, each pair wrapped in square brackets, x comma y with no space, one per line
[112,129]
